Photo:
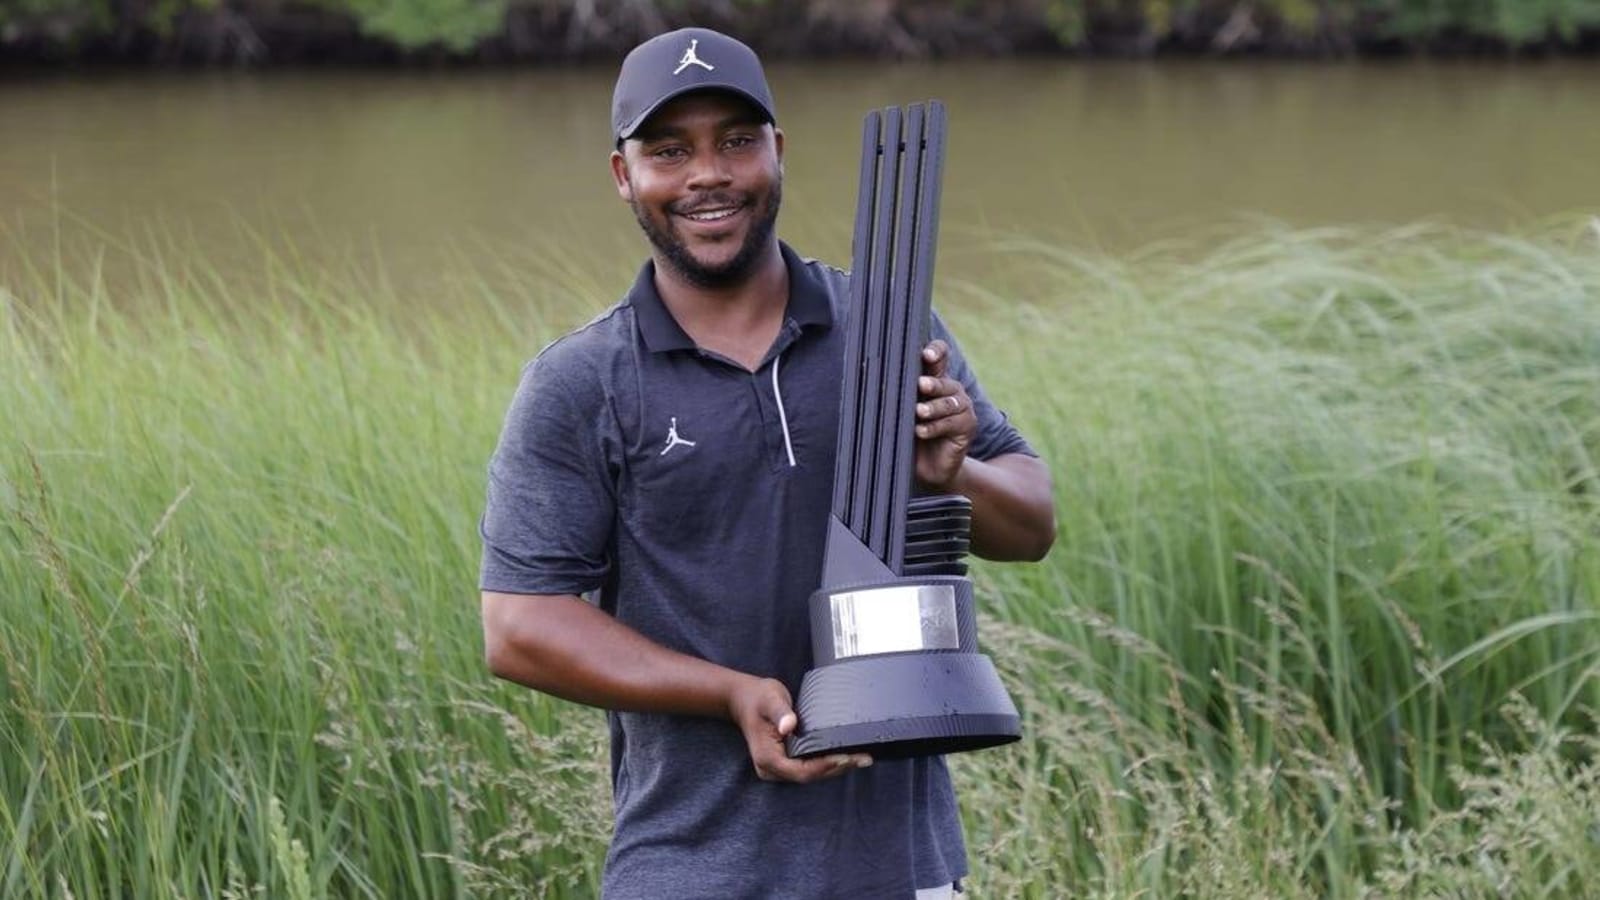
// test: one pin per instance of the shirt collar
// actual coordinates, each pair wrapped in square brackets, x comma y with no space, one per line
[808,304]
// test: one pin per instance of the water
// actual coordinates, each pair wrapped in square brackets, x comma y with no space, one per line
[421,174]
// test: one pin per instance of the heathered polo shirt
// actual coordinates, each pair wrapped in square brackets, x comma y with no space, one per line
[692,496]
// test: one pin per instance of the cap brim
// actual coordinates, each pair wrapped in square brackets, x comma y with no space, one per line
[632,126]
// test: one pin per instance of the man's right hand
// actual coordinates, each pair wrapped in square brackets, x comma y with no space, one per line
[559,644]
[763,710]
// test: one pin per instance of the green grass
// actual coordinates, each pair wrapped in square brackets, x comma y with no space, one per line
[1323,618]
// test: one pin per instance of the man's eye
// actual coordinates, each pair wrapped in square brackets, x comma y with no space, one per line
[739,140]
[667,152]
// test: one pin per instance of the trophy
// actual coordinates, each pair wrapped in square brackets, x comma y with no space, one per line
[896,668]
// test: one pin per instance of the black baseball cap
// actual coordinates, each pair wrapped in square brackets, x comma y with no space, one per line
[672,64]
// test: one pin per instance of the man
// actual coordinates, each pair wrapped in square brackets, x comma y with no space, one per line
[676,456]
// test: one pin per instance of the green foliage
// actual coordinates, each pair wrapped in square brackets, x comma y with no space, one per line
[79,19]
[1322,619]
[162,13]
[461,27]
[1067,20]
[1516,22]
[79,16]
[456,25]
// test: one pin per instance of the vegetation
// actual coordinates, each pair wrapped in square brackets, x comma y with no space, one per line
[1323,619]
[264,30]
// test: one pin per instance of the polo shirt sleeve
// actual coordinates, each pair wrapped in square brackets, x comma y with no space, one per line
[551,502]
[996,435]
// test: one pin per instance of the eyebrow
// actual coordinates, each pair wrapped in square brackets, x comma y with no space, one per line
[662,132]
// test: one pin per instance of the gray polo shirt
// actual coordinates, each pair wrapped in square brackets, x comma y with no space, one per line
[692,495]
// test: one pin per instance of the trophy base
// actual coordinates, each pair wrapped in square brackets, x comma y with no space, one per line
[904,705]
[906,738]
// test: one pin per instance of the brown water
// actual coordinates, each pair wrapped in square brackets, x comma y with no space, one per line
[433,172]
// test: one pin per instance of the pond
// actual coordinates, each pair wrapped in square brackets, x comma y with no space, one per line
[425,173]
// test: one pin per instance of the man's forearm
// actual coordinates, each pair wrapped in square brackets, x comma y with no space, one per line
[1013,510]
[561,645]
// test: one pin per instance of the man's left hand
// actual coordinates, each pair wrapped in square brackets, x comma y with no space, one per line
[946,423]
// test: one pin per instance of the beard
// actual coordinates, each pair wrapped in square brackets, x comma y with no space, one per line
[672,249]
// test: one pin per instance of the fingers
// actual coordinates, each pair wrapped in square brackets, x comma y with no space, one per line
[945,408]
[937,386]
[935,356]
[779,767]
[946,422]
[771,757]
[774,720]
[943,397]
[773,763]
[775,708]
[947,427]
[786,723]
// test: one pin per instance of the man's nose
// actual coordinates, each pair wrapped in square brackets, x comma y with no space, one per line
[708,170]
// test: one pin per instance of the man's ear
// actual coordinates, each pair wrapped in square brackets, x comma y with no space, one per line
[777,143]
[619,175]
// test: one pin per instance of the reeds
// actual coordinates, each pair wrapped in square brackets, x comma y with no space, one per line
[1322,618]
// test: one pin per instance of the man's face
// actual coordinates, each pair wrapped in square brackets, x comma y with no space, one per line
[704,176]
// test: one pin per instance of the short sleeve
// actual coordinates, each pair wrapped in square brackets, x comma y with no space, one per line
[551,499]
[996,436]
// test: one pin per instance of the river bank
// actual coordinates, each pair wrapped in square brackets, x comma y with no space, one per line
[272,32]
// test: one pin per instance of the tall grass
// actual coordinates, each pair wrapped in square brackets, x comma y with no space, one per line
[1322,619]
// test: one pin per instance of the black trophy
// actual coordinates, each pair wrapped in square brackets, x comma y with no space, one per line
[897,672]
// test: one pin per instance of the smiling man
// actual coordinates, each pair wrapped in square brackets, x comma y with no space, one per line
[673,460]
